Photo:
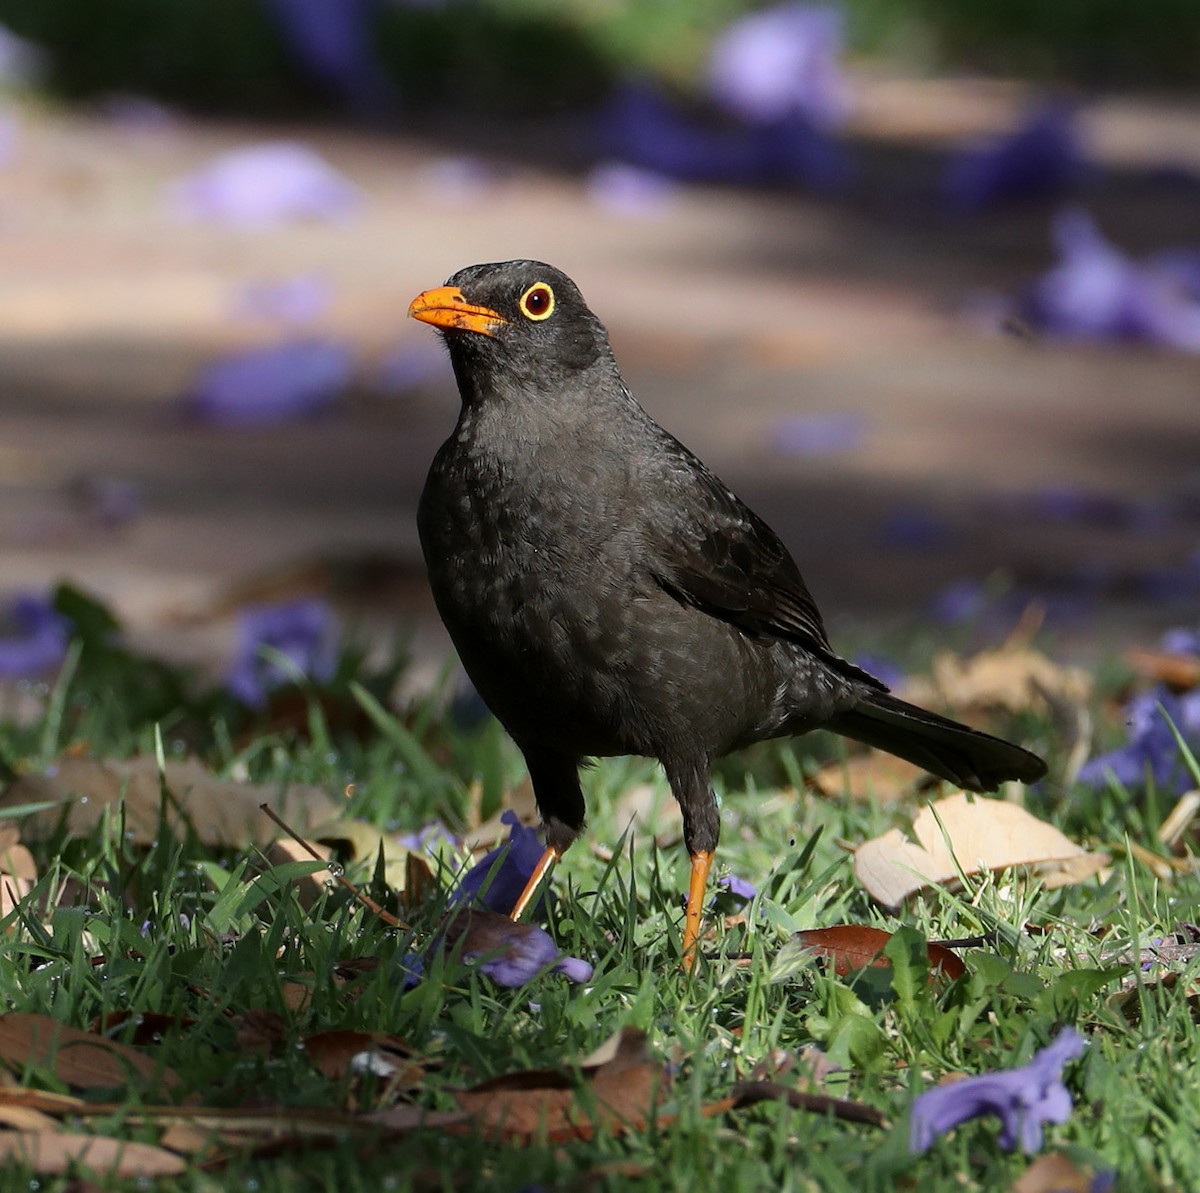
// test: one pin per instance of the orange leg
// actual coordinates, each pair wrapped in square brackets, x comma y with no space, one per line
[545,862]
[701,861]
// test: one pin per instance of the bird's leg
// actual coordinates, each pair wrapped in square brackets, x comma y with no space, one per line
[544,863]
[555,781]
[701,860]
[690,785]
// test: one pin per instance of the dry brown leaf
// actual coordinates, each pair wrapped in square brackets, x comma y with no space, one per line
[359,841]
[493,831]
[619,1096]
[15,859]
[851,947]
[650,808]
[223,812]
[312,886]
[76,1057]
[342,1053]
[55,1152]
[874,775]
[1012,678]
[981,834]
[1178,672]
[26,1118]
[1052,1173]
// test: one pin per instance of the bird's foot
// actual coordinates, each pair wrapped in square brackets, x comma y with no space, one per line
[544,864]
[701,860]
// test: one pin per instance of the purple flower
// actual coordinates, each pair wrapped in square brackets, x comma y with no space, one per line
[1067,503]
[512,954]
[303,631]
[262,185]
[1181,641]
[739,888]
[332,41]
[818,434]
[501,874]
[33,637]
[642,128]
[107,501]
[429,838]
[300,299]
[411,366]
[1025,1099]
[271,385]
[959,602]
[1151,753]
[629,190]
[462,180]
[1096,292]
[915,529]
[782,62]
[1042,157]
[22,63]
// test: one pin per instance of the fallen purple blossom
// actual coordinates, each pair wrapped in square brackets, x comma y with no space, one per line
[1180,641]
[263,185]
[429,839]
[818,434]
[1067,503]
[295,300]
[739,888]
[1043,156]
[461,180]
[107,501]
[1025,1099]
[333,41]
[22,62]
[916,529]
[271,385]
[640,127]
[1151,755]
[498,878]
[508,953]
[782,62]
[33,637]
[411,366]
[629,190]
[1096,292]
[303,631]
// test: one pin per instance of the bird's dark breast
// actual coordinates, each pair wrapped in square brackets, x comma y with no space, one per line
[564,631]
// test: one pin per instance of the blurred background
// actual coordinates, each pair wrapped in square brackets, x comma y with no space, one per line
[919,278]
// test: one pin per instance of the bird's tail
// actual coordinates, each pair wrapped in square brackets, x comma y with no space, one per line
[972,760]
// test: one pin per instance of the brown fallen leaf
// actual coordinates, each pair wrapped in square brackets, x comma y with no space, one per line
[262,1031]
[18,870]
[974,834]
[56,1152]
[357,841]
[1012,678]
[1179,672]
[652,809]
[312,886]
[222,811]
[749,1093]
[1052,1173]
[618,1093]
[852,947]
[76,1057]
[873,775]
[492,831]
[342,1053]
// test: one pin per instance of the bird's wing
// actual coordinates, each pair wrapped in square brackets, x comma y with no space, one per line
[723,559]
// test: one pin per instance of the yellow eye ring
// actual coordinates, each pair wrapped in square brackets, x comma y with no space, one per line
[537,302]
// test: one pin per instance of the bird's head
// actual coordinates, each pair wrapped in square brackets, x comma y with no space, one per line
[515,322]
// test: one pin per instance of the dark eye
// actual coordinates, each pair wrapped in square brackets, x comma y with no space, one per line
[537,302]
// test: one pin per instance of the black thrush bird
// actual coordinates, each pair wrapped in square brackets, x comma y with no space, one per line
[608,594]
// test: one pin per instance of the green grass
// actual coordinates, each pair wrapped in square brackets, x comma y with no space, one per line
[206,936]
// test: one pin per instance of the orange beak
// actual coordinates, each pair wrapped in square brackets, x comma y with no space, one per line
[445,307]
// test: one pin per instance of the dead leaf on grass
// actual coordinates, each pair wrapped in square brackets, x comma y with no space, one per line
[874,775]
[851,947]
[1179,672]
[973,834]
[76,1058]
[57,1152]
[1053,1173]
[357,841]
[1012,678]
[617,1093]
[343,1053]
[309,887]
[222,811]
